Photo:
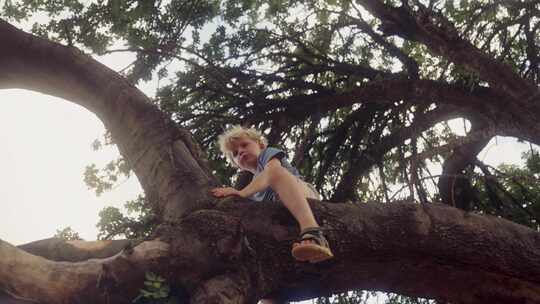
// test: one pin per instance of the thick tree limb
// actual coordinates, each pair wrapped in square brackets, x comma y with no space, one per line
[56,249]
[164,157]
[448,252]
[387,91]
[32,278]
[424,250]
[440,36]
[442,245]
[373,153]
[410,64]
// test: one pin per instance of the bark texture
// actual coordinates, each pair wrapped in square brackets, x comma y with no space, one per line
[240,252]
[36,279]
[56,249]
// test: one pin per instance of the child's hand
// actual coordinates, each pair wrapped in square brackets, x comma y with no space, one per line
[225,191]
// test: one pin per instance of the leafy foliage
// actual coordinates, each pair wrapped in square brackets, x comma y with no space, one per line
[155,291]
[67,234]
[513,191]
[137,224]
[365,297]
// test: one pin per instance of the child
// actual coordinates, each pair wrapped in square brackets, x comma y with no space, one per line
[275,179]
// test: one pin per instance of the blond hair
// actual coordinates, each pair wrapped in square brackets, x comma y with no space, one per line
[227,139]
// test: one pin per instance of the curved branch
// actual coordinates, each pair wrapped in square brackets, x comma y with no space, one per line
[373,152]
[453,188]
[116,279]
[388,91]
[440,36]
[507,118]
[408,62]
[423,250]
[56,249]
[162,155]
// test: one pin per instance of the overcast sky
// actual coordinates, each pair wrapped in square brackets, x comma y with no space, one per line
[46,144]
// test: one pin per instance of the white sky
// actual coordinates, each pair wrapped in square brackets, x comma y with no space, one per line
[45,147]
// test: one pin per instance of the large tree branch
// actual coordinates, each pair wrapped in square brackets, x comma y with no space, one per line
[163,156]
[500,110]
[443,246]
[114,279]
[243,250]
[375,151]
[410,63]
[388,91]
[504,116]
[440,36]
[494,105]
[56,249]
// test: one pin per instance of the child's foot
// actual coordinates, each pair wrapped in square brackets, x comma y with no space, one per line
[312,246]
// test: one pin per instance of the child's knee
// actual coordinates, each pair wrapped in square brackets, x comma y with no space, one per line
[276,173]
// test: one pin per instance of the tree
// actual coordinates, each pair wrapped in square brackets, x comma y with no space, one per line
[311,82]
[68,234]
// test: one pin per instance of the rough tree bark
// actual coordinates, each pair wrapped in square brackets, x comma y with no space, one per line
[428,250]
[234,251]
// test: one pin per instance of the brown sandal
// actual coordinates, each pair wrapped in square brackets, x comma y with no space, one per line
[313,252]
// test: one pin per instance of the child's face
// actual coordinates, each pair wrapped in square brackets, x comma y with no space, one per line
[245,152]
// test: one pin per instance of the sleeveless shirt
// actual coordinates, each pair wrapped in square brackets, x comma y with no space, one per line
[266,155]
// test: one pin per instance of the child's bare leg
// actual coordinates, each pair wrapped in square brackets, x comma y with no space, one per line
[292,193]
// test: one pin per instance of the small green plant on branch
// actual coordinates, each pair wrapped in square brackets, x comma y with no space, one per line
[155,291]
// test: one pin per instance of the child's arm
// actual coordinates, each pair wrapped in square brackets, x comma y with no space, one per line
[259,183]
